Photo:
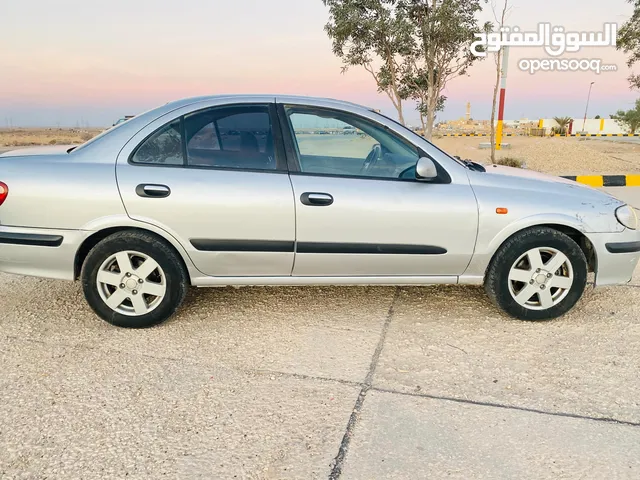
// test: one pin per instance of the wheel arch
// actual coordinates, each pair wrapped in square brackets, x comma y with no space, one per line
[96,237]
[571,231]
[581,239]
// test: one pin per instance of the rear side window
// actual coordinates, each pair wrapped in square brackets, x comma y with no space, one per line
[163,147]
[237,136]
[231,137]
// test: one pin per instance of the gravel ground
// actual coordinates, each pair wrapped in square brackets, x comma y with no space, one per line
[343,382]
[556,156]
[360,382]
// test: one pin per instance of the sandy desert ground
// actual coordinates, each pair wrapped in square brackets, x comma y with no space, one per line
[557,156]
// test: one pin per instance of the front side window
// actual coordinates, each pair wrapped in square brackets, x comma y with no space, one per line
[338,143]
[226,137]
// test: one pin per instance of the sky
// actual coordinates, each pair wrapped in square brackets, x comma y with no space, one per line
[88,63]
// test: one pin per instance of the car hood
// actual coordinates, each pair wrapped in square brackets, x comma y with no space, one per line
[518,179]
[31,151]
[530,174]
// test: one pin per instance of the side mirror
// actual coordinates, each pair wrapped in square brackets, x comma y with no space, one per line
[426,169]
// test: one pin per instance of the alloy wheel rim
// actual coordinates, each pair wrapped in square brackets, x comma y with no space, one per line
[541,278]
[131,283]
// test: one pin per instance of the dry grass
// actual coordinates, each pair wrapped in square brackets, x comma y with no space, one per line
[510,162]
[22,137]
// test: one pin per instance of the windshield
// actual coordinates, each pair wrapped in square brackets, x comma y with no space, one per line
[403,127]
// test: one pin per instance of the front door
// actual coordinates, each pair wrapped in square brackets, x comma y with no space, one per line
[216,179]
[360,210]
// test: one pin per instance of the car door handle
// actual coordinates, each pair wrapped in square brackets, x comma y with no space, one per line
[153,191]
[314,199]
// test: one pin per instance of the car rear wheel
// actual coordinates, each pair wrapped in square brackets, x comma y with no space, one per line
[537,274]
[133,280]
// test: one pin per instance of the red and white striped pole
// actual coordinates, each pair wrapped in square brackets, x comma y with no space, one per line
[503,89]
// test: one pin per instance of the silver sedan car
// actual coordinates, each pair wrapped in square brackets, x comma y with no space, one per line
[264,190]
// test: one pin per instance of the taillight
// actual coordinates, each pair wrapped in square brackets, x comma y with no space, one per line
[4,191]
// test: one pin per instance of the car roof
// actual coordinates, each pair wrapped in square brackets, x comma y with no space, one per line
[278,98]
[123,130]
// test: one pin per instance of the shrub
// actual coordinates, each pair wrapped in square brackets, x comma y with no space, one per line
[510,162]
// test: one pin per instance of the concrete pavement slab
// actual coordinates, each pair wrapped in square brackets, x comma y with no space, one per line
[323,332]
[76,412]
[450,342]
[630,195]
[399,437]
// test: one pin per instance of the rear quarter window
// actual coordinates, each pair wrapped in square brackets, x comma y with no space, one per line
[164,147]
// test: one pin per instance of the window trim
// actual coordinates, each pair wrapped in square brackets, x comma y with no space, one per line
[289,139]
[293,158]
[183,143]
[276,131]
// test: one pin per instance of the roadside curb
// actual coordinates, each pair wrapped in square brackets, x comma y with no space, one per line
[474,135]
[606,180]
[557,135]
[600,135]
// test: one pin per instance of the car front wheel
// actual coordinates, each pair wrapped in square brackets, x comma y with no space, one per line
[537,274]
[133,280]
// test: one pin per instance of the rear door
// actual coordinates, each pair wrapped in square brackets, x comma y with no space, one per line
[216,179]
[360,211]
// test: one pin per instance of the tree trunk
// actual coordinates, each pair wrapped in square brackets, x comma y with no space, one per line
[431,117]
[434,90]
[393,95]
[391,91]
[431,112]
[432,104]
[394,85]
[399,110]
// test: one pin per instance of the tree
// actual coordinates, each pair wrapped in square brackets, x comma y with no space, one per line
[442,33]
[630,119]
[629,41]
[369,33]
[597,117]
[415,86]
[496,87]
[563,125]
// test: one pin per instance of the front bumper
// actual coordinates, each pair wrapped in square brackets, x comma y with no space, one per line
[40,252]
[617,255]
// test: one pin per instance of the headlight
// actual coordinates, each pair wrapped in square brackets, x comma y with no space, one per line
[626,215]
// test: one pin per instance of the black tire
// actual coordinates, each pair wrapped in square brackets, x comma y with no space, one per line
[497,278]
[176,277]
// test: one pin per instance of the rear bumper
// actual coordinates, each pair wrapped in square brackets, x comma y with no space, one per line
[39,252]
[617,255]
